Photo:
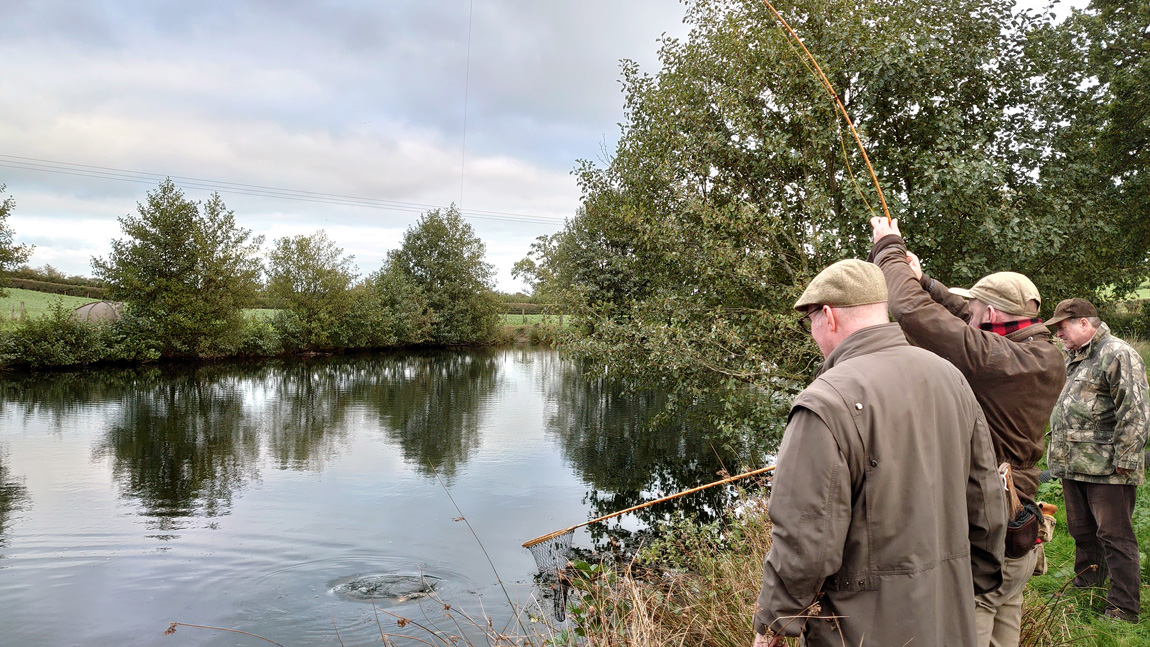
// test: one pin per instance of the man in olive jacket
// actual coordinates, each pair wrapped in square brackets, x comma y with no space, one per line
[1097,434]
[887,511]
[993,335]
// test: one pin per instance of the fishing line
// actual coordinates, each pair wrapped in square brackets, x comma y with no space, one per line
[826,83]
[841,138]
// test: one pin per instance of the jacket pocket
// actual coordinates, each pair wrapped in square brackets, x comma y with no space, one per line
[1086,454]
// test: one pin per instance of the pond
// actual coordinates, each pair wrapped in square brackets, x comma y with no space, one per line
[282,498]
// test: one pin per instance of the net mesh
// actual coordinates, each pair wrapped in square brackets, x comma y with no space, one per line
[551,557]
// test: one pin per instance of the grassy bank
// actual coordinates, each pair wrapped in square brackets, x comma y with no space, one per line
[1077,620]
[697,586]
[35,303]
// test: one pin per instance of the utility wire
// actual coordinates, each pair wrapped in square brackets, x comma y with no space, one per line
[466,89]
[144,177]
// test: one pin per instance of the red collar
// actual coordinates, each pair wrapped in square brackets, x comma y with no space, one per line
[1007,327]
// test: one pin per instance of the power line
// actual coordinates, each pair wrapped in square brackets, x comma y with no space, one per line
[466,88]
[222,186]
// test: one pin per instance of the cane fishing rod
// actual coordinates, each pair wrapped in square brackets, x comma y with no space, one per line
[557,533]
[826,83]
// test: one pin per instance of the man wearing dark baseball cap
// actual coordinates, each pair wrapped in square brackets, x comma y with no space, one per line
[993,335]
[886,462]
[1098,433]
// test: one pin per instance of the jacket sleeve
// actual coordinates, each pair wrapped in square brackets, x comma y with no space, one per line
[810,511]
[986,509]
[934,320]
[1127,378]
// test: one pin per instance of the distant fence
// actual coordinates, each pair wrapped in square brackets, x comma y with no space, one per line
[525,308]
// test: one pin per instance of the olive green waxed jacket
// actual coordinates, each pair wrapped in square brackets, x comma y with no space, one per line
[887,510]
[1102,419]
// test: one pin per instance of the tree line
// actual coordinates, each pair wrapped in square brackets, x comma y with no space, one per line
[1004,140]
[187,274]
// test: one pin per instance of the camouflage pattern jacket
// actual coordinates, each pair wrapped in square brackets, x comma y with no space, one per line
[1102,417]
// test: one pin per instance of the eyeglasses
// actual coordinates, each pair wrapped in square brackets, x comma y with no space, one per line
[805,322]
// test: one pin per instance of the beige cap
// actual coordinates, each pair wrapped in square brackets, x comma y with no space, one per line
[847,283]
[1009,292]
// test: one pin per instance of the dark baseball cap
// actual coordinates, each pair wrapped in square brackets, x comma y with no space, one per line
[1072,309]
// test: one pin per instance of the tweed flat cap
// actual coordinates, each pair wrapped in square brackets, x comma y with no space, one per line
[847,283]
[1009,292]
[1072,309]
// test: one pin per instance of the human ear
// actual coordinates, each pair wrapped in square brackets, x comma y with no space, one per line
[829,317]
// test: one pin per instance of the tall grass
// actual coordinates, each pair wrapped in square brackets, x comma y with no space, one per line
[696,586]
[1143,348]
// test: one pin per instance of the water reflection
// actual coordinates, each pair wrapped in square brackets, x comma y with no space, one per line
[13,497]
[431,405]
[183,441]
[630,455]
[182,446]
[304,409]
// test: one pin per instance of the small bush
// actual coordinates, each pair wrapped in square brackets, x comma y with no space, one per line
[54,339]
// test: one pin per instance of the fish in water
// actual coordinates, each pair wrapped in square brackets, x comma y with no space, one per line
[391,586]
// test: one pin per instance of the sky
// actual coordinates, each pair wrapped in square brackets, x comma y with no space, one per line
[351,117]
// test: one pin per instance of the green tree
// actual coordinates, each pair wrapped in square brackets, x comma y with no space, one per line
[1095,107]
[185,270]
[443,260]
[12,255]
[310,277]
[399,308]
[734,181]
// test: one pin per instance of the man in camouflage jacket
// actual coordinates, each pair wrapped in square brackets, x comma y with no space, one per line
[1098,432]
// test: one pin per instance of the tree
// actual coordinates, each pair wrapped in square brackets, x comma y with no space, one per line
[185,270]
[310,277]
[444,260]
[1094,105]
[734,181]
[12,255]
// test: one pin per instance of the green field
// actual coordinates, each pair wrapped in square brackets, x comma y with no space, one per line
[35,303]
[519,320]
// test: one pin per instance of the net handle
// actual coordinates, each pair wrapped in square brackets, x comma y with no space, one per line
[552,535]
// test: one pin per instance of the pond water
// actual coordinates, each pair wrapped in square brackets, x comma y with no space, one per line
[281,498]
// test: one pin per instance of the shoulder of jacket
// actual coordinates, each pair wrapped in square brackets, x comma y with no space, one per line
[1114,348]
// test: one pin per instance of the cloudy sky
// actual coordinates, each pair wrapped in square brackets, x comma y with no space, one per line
[352,113]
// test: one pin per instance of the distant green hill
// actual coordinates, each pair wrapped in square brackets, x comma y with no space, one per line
[35,303]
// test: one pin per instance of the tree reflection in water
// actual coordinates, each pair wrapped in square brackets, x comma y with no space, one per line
[305,409]
[183,441]
[182,445]
[431,404]
[630,455]
[13,497]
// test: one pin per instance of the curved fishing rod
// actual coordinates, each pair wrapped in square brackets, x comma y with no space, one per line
[570,529]
[826,83]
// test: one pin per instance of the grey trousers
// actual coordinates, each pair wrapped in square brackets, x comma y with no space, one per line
[1098,518]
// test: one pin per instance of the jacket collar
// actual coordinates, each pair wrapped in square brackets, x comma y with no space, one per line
[864,342]
[1087,349]
[1038,330]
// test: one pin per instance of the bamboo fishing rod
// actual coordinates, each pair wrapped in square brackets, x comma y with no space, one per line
[557,533]
[826,83]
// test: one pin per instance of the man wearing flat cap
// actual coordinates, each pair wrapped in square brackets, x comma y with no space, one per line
[993,335]
[886,508]
[1097,436]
